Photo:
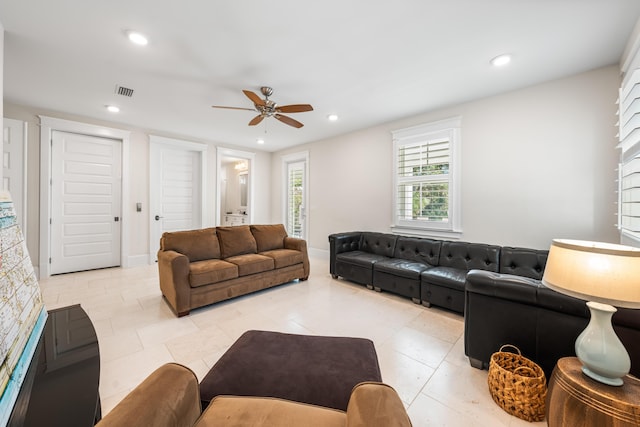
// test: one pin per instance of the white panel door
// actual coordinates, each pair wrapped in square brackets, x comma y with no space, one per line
[13,165]
[86,174]
[176,194]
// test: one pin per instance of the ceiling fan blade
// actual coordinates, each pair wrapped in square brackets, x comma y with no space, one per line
[294,108]
[257,119]
[288,120]
[254,98]
[233,108]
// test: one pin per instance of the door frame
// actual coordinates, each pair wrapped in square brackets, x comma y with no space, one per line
[47,126]
[23,194]
[250,157]
[155,143]
[302,156]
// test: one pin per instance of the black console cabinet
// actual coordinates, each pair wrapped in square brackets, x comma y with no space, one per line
[61,386]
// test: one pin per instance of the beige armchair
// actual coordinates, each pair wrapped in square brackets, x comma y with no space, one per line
[170,397]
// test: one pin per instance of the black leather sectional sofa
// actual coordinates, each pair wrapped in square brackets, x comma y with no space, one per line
[425,270]
[498,289]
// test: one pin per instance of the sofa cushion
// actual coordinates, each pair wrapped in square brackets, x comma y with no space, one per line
[211,271]
[241,411]
[467,256]
[447,277]
[251,263]
[236,240]
[269,237]
[401,267]
[360,258]
[378,243]
[195,244]
[284,257]
[523,262]
[425,251]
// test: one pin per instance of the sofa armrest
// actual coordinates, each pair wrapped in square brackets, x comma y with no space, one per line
[374,404]
[342,242]
[299,245]
[173,270]
[169,397]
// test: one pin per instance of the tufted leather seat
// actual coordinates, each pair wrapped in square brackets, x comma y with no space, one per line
[401,274]
[444,285]
[358,264]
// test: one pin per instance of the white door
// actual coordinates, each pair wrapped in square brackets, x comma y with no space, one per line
[86,176]
[14,166]
[296,216]
[176,191]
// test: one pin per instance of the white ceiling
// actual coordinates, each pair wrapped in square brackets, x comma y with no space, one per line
[370,61]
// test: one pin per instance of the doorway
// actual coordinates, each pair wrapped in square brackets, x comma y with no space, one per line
[74,130]
[296,176]
[235,187]
[86,200]
[177,187]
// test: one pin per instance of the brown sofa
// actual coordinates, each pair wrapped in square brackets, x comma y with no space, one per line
[170,397]
[201,267]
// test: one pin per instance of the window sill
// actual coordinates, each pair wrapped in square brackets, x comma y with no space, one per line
[426,232]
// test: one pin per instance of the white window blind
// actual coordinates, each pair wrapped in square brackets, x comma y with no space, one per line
[295,175]
[629,170]
[426,196]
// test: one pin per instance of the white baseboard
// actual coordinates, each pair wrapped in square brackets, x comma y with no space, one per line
[137,260]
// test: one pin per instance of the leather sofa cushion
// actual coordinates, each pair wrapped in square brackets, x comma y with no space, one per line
[523,262]
[378,243]
[447,277]
[241,411]
[236,240]
[401,267]
[284,257]
[211,271]
[252,263]
[195,244]
[360,258]
[268,237]
[424,251]
[467,256]
[505,286]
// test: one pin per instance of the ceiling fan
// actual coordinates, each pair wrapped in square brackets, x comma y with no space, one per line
[267,108]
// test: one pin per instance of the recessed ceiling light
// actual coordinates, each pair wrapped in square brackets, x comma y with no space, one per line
[137,38]
[501,60]
[260,141]
[332,117]
[113,109]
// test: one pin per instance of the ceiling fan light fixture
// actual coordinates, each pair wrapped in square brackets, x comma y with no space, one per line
[137,38]
[501,60]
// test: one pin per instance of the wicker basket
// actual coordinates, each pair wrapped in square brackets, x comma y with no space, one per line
[517,384]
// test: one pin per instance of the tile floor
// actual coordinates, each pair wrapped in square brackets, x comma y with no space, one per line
[421,350]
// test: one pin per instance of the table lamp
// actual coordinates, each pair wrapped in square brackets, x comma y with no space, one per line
[606,275]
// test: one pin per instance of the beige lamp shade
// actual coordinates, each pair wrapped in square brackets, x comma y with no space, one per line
[593,271]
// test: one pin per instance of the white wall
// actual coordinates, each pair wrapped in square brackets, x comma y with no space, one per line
[139,180]
[537,164]
[1,86]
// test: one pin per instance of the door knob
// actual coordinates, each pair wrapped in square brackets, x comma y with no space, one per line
[158,217]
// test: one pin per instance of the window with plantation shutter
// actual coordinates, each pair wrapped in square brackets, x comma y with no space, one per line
[426,170]
[295,177]
[629,169]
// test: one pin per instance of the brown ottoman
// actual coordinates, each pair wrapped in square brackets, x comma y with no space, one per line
[309,369]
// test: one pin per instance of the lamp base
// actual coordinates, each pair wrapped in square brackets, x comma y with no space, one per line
[601,352]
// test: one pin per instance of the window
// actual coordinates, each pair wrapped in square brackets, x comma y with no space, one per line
[629,169]
[426,179]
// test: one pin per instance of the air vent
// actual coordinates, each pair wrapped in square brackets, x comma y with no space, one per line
[124,91]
